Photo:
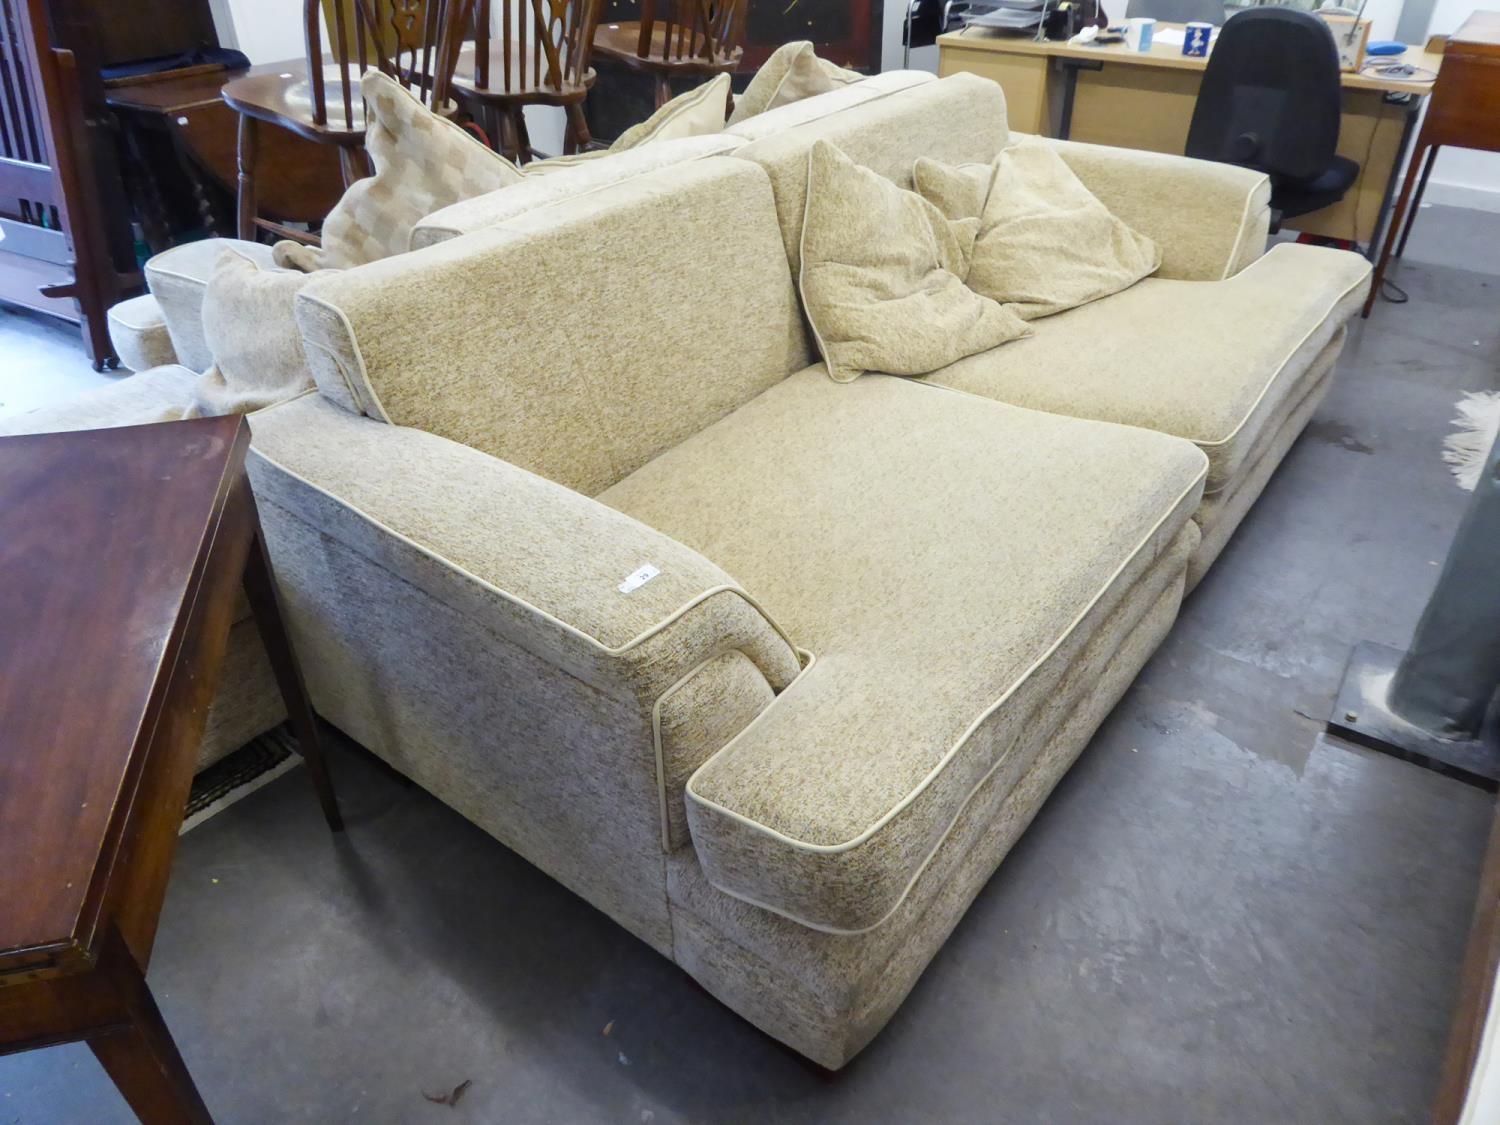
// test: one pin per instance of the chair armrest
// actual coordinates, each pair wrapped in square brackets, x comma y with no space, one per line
[1211,220]
[540,565]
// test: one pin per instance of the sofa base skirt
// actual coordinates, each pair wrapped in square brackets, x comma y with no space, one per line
[1222,511]
[827,995]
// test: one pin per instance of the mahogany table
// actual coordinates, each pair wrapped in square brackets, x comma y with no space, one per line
[121,555]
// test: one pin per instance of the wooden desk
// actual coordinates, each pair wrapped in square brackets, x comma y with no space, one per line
[1112,95]
[121,554]
[1465,113]
[176,129]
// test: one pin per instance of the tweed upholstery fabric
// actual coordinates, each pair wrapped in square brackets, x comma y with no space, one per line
[178,279]
[826,995]
[882,277]
[423,162]
[792,73]
[463,618]
[959,120]
[1220,513]
[138,331]
[837,100]
[576,374]
[157,395]
[1210,220]
[251,330]
[564,177]
[1175,362]
[1045,244]
[943,589]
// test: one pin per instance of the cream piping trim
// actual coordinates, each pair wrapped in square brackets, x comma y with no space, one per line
[805,658]
[912,882]
[359,355]
[522,603]
[1280,367]
[1234,251]
[932,774]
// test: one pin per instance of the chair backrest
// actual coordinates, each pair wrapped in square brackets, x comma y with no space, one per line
[1178,11]
[416,42]
[708,30]
[546,44]
[1270,96]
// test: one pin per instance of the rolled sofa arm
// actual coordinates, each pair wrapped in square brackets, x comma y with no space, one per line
[542,566]
[1211,220]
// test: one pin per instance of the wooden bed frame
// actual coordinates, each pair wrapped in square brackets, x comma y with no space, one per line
[54,256]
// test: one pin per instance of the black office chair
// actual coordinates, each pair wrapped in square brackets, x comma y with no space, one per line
[1270,100]
[1178,11]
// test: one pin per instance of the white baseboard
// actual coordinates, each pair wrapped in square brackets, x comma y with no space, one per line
[1462,195]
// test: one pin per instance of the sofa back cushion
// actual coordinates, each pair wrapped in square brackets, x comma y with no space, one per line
[958,120]
[578,341]
[588,173]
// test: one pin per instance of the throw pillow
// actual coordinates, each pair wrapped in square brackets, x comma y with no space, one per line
[700,110]
[250,329]
[882,277]
[793,72]
[423,162]
[1045,244]
[697,113]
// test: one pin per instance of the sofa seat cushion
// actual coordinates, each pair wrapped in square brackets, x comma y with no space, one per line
[161,394]
[139,333]
[1210,361]
[944,560]
[179,281]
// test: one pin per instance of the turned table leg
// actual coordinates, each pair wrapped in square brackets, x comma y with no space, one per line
[249,138]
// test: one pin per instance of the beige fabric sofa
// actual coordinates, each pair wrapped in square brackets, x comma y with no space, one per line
[772,670]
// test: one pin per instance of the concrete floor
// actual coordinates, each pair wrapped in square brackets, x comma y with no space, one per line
[1220,916]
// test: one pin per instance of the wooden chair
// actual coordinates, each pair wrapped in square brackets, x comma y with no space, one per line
[414,41]
[697,39]
[541,57]
[54,248]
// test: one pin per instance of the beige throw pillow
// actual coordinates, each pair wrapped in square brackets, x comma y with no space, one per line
[700,110]
[882,277]
[252,333]
[696,113]
[1045,244]
[793,72]
[423,162]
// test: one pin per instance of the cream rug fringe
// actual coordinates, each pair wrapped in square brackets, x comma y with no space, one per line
[1465,449]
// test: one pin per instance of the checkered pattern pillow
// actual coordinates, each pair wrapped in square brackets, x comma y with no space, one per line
[423,162]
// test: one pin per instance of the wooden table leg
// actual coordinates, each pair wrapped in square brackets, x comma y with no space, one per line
[249,136]
[265,605]
[1397,221]
[353,165]
[142,1058]
[1416,203]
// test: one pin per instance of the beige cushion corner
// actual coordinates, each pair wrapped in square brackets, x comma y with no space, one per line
[423,162]
[792,73]
[882,277]
[138,331]
[1045,243]
[250,324]
[698,112]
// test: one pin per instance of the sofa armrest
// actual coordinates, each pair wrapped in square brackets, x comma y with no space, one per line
[1210,220]
[541,566]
